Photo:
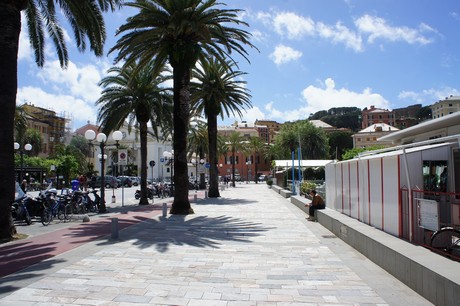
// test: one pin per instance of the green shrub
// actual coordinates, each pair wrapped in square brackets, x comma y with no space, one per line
[306,187]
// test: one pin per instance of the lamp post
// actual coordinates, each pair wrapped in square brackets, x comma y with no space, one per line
[169,157]
[117,136]
[101,138]
[27,147]
[202,175]
[195,162]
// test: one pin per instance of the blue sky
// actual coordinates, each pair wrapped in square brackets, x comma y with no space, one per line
[314,55]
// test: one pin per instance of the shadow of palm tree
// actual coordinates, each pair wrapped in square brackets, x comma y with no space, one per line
[200,231]
[224,201]
[10,282]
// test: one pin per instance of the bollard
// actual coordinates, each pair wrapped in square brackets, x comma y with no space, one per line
[206,194]
[195,198]
[114,228]
[165,210]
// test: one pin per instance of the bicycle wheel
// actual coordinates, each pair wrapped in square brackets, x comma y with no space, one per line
[446,239]
[46,217]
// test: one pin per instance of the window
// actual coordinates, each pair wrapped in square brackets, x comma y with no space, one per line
[435,175]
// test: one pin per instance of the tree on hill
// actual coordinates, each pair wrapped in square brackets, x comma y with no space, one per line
[339,142]
[340,117]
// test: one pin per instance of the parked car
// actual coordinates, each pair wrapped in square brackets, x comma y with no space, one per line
[136,180]
[109,182]
[125,181]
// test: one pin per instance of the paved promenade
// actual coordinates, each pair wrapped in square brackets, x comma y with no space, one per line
[249,247]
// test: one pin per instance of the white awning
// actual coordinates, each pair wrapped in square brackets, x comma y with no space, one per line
[303,163]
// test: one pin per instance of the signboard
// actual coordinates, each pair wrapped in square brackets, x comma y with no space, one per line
[428,214]
[123,157]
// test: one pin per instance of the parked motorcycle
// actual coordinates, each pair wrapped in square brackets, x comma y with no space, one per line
[19,210]
[151,191]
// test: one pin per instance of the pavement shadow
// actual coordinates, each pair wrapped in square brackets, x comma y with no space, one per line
[12,282]
[200,231]
[224,201]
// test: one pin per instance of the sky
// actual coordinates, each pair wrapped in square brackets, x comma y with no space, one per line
[311,55]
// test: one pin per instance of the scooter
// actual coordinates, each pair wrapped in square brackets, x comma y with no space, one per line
[150,192]
[19,210]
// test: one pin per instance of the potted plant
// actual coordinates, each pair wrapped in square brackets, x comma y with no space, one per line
[269,183]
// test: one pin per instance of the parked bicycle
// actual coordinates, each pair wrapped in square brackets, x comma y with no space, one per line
[58,206]
[447,239]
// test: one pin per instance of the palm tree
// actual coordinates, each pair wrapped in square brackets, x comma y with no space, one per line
[217,92]
[86,20]
[134,94]
[235,143]
[20,122]
[34,137]
[181,32]
[258,147]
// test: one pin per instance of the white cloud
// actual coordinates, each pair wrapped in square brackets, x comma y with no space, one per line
[429,96]
[78,81]
[284,54]
[377,28]
[341,34]
[292,25]
[328,96]
[25,50]
[258,36]
[62,104]
[317,98]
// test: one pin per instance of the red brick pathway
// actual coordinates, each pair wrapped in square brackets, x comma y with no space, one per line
[21,254]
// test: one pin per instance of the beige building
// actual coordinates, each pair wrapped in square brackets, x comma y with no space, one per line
[445,107]
[53,128]
[368,136]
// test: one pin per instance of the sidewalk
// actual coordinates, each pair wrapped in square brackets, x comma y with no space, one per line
[249,247]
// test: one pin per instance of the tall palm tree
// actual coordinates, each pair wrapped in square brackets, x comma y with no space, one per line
[218,91]
[135,94]
[236,143]
[86,19]
[181,32]
[258,148]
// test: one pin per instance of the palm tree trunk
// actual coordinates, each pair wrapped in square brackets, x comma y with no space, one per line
[256,169]
[233,168]
[181,113]
[10,27]
[143,136]
[213,176]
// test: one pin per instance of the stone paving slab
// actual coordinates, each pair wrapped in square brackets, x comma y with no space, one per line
[249,247]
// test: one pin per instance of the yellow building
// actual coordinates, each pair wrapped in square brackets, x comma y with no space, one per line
[51,127]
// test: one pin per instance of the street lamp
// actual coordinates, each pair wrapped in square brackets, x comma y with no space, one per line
[117,136]
[169,157]
[27,147]
[202,179]
[195,162]
[101,138]
[248,164]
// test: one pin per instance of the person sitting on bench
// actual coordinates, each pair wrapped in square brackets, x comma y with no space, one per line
[317,202]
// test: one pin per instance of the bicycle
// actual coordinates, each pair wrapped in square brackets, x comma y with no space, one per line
[446,239]
[61,208]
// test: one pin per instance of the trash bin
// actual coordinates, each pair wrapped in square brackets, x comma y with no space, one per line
[75,185]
